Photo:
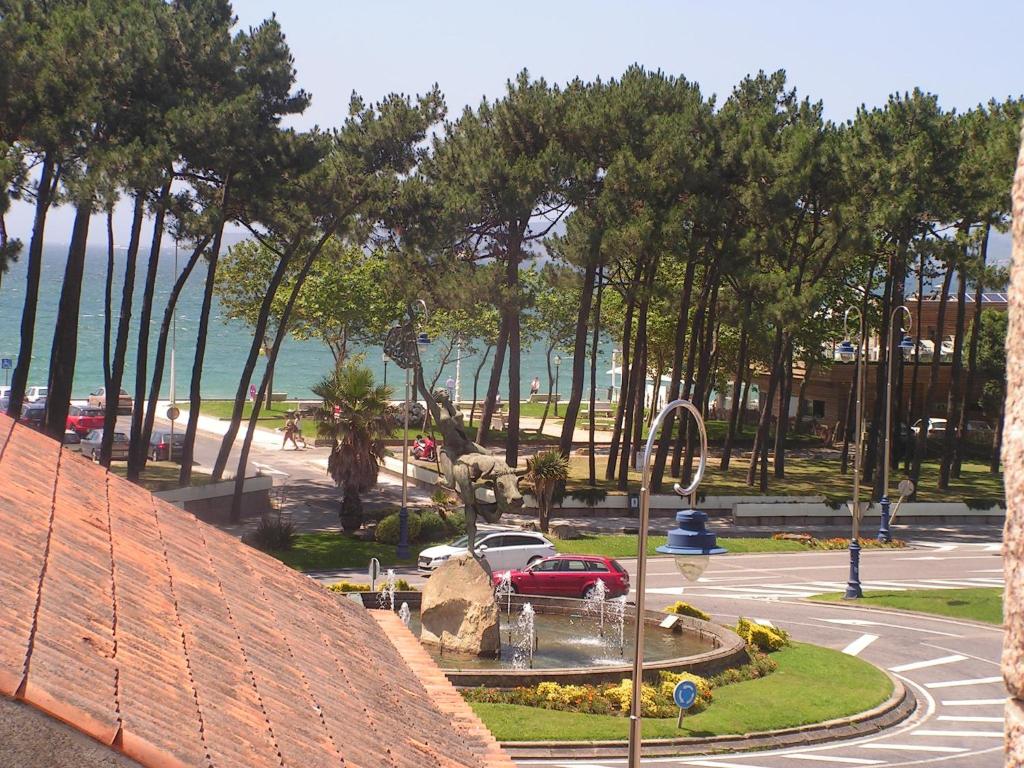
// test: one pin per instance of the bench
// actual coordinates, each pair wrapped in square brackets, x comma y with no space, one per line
[499,419]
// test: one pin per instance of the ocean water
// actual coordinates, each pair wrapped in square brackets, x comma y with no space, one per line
[301,363]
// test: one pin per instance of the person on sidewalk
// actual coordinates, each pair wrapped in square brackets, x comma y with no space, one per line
[534,386]
[290,428]
[449,384]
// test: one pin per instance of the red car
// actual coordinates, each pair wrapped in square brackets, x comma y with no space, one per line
[569,576]
[84,419]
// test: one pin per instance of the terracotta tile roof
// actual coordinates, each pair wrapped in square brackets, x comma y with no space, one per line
[177,645]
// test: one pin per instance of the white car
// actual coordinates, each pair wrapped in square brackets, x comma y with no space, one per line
[936,427]
[35,394]
[503,550]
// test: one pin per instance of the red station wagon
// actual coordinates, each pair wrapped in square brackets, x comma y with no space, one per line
[569,576]
[84,419]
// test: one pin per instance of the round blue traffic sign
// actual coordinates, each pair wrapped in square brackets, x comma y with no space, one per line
[684,694]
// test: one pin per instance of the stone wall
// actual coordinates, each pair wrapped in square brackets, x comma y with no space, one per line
[1013,463]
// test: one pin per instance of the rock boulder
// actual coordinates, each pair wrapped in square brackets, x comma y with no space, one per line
[458,610]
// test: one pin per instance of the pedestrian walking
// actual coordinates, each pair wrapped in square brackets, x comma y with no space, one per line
[535,386]
[449,384]
[290,427]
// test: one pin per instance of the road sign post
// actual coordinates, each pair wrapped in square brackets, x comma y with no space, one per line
[374,573]
[6,363]
[684,695]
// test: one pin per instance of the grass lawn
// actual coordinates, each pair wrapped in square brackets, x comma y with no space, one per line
[812,684]
[624,545]
[160,475]
[269,419]
[327,551]
[978,604]
[808,477]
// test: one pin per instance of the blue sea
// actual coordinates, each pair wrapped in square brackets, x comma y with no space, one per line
[301,363]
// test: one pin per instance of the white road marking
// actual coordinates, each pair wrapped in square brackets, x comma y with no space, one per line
[764,622]
[865,623]
[913,747]
[957,683]
[959,582]
[989,570]
[959,734]
[973,702]
[993,547]
[958,719]
[837,759]
[717,764]
[929,663]
[858,645]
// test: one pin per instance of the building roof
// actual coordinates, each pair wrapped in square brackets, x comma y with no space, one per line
[177,645]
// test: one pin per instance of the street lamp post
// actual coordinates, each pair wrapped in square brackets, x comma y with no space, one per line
[849,352]
[403,513]
[384,357]
[558,362]
[906,345]
[690,544]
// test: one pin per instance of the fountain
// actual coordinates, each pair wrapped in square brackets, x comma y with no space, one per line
[404,613]
[505,590]
[617,618]
[594,603]
[526,645]
[386,598]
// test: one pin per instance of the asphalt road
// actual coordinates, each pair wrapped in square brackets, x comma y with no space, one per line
[952,667]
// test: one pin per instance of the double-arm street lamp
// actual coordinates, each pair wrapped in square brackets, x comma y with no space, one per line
[690,544]
[905,347]
[558,364]
[848,351]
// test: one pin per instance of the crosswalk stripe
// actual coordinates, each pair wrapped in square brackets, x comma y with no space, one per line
[834,759]
[959,734]
[958,719]
[913,747]
[973,702]
[717,764]
[958,582]
[957,683]
[858,645]
[929,663]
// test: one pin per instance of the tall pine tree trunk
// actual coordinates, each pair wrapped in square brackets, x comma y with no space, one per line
[113,383]
[915,399]
[760,449]
[785,396]
[591,426]
[620,411]
[951,435]
[64,352]
[735,414]
[551,384]
[195,386]
[579,357]
[661,454]
[138,440]
[921,443]
[48,179]
[972,355]
[696,334]
[108,298]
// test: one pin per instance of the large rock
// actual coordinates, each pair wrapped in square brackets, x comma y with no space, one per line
[1013,467]
[458,611]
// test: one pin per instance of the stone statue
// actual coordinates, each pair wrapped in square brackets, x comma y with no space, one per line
[467,467]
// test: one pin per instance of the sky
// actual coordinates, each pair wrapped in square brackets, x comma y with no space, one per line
[845,54]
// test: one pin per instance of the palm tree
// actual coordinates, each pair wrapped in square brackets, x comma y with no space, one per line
[546,471]
[356,416]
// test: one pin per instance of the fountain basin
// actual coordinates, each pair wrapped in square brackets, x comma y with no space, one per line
[564,630]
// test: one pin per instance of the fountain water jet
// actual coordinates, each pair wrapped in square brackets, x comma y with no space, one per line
[387,592]
[594,603]
[527,642]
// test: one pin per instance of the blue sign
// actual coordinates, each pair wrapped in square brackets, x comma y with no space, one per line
[5,363]
[684,694]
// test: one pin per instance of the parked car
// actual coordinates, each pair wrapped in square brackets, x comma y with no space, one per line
[118,450]
[32,416]
[35,394]
[503,550]
[84,419]
[5,393]
[163,446]
[936,427]
[72,441]
[124,400]
[979,431]
[569,576]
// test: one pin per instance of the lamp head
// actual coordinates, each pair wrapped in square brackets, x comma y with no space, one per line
[691,544]
[847,352]
[907,345]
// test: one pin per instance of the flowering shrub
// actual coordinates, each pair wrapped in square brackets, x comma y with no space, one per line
[401,585]
[838,542]
[761,637]
[685,609]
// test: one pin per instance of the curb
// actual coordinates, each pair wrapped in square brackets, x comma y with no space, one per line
[899,706]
